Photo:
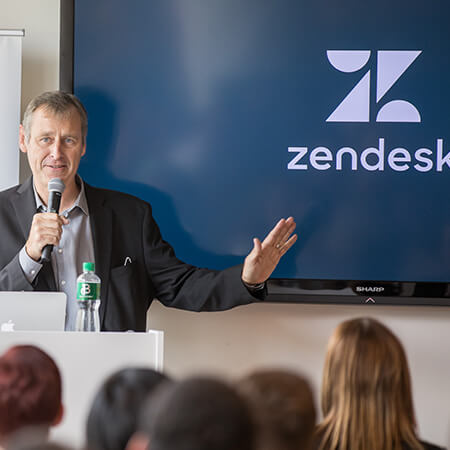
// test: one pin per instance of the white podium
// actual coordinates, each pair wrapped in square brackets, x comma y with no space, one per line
[85,361]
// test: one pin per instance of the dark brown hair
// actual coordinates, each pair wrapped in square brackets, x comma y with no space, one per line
[198,413]
[283,407]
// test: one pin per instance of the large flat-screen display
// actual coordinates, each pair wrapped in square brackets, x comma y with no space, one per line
[226,115]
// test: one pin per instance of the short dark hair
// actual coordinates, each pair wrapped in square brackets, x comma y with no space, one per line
[283,406]
[198,413]
[114,412]
[59,103]
[30,389]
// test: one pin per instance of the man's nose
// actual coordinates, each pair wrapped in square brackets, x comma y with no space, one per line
[56,148]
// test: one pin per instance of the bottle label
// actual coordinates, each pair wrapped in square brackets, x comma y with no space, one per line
[88,291]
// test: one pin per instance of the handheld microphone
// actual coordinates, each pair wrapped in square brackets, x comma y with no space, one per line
[55,189]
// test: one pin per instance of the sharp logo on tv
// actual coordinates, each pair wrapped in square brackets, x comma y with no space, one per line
[369,289]
[391,65]
[355,108]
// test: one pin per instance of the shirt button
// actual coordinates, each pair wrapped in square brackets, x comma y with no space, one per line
[63,282]
[33,272]
[66,215]
[59,250]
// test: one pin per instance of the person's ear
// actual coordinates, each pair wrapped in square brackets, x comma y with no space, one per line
[22,139]
[59,416]
[139,441]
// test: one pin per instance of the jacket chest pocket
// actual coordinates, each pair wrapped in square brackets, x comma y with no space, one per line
[122,271]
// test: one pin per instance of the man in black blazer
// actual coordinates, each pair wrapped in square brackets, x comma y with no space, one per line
[134,263]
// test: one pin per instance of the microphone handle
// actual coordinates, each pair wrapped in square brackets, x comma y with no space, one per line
[54,200]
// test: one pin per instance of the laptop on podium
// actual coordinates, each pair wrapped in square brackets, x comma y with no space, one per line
[32,311]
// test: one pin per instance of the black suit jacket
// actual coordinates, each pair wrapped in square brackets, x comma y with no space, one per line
[122,226]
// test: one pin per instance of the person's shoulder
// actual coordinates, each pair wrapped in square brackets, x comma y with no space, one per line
[428,446]
[9,196]
[116,198]
[7,193]
[19,189]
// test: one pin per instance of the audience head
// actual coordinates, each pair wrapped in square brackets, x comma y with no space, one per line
[283,407]
[198,414]
[30,390]
[115,409]
[366,390]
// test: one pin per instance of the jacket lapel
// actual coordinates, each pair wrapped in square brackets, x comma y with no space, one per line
[25,208]
[100,217]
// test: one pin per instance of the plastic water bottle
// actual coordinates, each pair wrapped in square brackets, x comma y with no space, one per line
[88,299]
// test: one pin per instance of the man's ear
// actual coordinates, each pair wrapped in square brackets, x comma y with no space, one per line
[22,139]
[139,441]
[59,416]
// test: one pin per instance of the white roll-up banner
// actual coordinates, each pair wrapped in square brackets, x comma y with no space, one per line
[10,89]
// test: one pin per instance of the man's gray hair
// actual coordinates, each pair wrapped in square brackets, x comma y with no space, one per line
[59,103]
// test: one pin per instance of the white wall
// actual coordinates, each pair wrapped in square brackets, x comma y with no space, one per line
[40,57]
[234,342]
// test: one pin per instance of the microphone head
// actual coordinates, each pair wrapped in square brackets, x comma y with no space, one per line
[56,185]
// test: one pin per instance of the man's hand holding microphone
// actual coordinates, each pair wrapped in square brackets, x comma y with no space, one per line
[46,228]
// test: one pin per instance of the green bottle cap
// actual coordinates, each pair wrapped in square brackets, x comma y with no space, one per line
[88,267]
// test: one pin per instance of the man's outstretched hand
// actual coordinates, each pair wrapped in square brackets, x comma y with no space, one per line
[264,257]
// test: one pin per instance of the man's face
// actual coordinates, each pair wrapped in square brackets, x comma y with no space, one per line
[54,148]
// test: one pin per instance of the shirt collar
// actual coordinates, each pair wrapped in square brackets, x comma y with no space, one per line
[80,202]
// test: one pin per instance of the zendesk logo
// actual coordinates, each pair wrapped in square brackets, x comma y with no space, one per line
[391,65]
[355,107]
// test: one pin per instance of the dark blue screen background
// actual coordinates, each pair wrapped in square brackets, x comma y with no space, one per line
[193,104]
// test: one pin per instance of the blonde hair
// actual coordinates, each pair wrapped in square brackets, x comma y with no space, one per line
[366,390]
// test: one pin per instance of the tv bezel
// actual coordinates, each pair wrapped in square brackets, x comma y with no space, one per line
[320,291]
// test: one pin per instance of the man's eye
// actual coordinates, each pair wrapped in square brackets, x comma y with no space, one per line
[70,141]
[45,140]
